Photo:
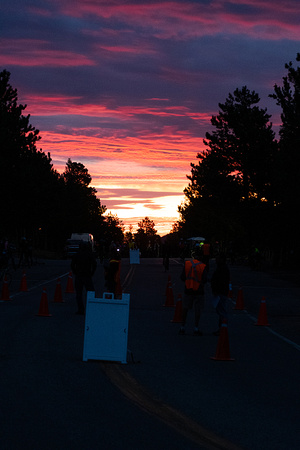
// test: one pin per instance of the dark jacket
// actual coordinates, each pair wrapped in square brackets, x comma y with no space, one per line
[110,275]
[220,280]
[84,263]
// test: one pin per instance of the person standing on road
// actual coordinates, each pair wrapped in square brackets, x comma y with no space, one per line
[83,266]
[24,252]
[206,254]
[166,256]
[112,272]
[194,275]
[220,288]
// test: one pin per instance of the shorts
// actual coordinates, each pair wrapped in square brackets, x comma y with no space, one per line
[196,300]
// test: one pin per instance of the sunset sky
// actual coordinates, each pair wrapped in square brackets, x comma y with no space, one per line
[128,88]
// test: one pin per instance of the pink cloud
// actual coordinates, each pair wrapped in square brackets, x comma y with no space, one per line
[31,52]
[166,148]
[133,49]
[183,20]
[59,104]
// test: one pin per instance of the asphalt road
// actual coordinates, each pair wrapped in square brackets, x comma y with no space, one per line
[171,394]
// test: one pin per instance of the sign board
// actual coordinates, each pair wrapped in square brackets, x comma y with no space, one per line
[134,256]
[106,328]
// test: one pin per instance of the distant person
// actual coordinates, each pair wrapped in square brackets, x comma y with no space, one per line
[112,272]
[30,252]
[194,275]
[6,254]
[83,266]
[166,256]
[24,252]
[10,248]
[255,259]
[112,249]
[220,288]
[166,261]
[181,249]
[3,253]
[206,254]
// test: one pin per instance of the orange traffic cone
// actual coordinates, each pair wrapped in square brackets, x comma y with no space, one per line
[43,310]
[240,300]
[58,294]
[5,290]
[222,352]
[170,295]
[70,287]
[178,310]
[262,315]
[23,284]
[230,291]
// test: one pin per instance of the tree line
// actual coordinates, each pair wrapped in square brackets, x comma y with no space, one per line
[39,203]
[243,193]
[244,190]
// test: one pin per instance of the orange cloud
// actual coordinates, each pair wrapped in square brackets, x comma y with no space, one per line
[163,151]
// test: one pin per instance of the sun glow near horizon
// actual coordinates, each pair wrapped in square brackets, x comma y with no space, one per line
[140,180]
[137,199]
[162,211]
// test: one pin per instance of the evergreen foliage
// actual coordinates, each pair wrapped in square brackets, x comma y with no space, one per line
[146,236]
[38,202]
[244,190]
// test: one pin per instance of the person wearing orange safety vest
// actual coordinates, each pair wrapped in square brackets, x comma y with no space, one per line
[194,275]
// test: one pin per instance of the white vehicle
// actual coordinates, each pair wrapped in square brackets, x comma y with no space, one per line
[86,237]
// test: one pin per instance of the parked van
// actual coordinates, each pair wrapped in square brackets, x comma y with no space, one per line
[86,237]
[73,244]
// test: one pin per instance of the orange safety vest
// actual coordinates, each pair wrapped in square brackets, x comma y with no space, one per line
[193,273]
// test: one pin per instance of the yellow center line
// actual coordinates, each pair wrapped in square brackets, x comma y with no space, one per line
[184,425]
